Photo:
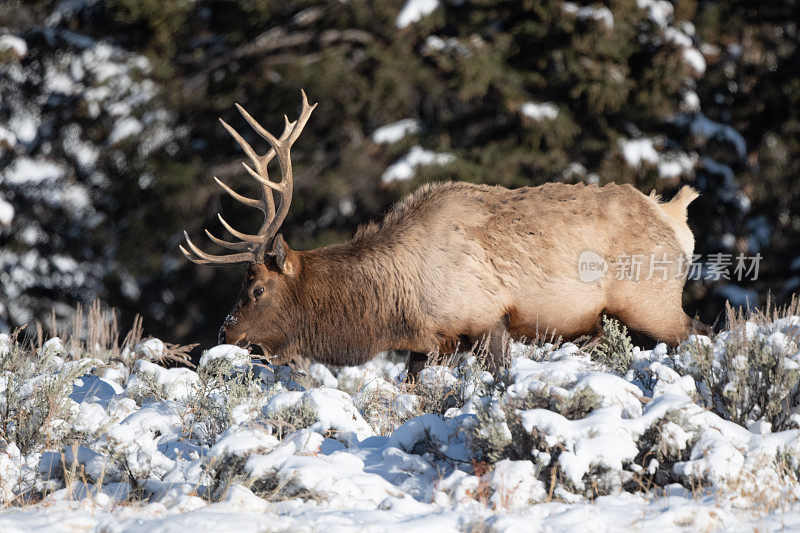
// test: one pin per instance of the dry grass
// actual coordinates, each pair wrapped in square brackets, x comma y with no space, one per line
[96,333]
[763,487]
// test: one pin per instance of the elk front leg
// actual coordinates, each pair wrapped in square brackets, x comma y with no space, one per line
[492,348]
[416,362]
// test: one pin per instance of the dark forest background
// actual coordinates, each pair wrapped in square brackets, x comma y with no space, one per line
[109,134]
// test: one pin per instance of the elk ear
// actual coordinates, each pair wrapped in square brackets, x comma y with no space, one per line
[280,253]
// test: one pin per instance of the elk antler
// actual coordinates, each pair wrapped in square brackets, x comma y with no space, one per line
[253,248]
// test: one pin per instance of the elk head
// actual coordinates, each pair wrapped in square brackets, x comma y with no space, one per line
[258,317]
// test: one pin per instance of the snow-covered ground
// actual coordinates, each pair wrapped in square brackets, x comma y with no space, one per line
[555,442]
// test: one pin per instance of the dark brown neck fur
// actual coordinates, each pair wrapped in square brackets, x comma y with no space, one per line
[352,296]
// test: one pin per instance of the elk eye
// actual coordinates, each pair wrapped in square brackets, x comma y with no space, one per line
[258,291]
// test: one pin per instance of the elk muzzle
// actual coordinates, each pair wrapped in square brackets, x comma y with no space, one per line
[226,336]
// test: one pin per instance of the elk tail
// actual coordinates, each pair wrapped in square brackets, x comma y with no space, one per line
[676,208]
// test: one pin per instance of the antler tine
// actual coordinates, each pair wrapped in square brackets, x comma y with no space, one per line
[236,196]
[238,234]
[224,261]
[261,130]
[235,246]
[245,257]
[258,178]
[244,144]
[287,138]
[282,148]
[192,258]
[287,127]
[283,145]
[305,114]
[260,173]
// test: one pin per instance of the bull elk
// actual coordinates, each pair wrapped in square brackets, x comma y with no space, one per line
[451,264]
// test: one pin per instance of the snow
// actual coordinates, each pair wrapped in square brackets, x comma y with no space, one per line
[6,212]
[517,485]
[705,128]
[414,11]
[127,127]
[149,349]
[641,152]
[335,411]
[51,145]
[84,152]
[405,167]
[677,37]
[638,151]
[242,441]
[444,433]
[690,103]
[570,8]
[27,171]
[324,376]
[25,125]
[339,473]
[676,165]
[172,383]
[14,44]
[658,11]
[539,112]
[434,43]
[695,59]
[235,355]
[601,14]
[392,133]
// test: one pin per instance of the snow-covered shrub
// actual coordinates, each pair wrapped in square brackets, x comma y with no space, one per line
[665,443]
[449,384]
[498,432]
[293,417]
[34,396]
[222,395]
[384,406]
[437,390]
[313,375]
[750,372]
[144,386]
[227,457]
[557,427]
[615,349]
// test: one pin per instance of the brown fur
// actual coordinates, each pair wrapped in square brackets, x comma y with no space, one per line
[454,262]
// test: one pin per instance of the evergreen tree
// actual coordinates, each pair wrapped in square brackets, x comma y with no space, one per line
[493,91]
